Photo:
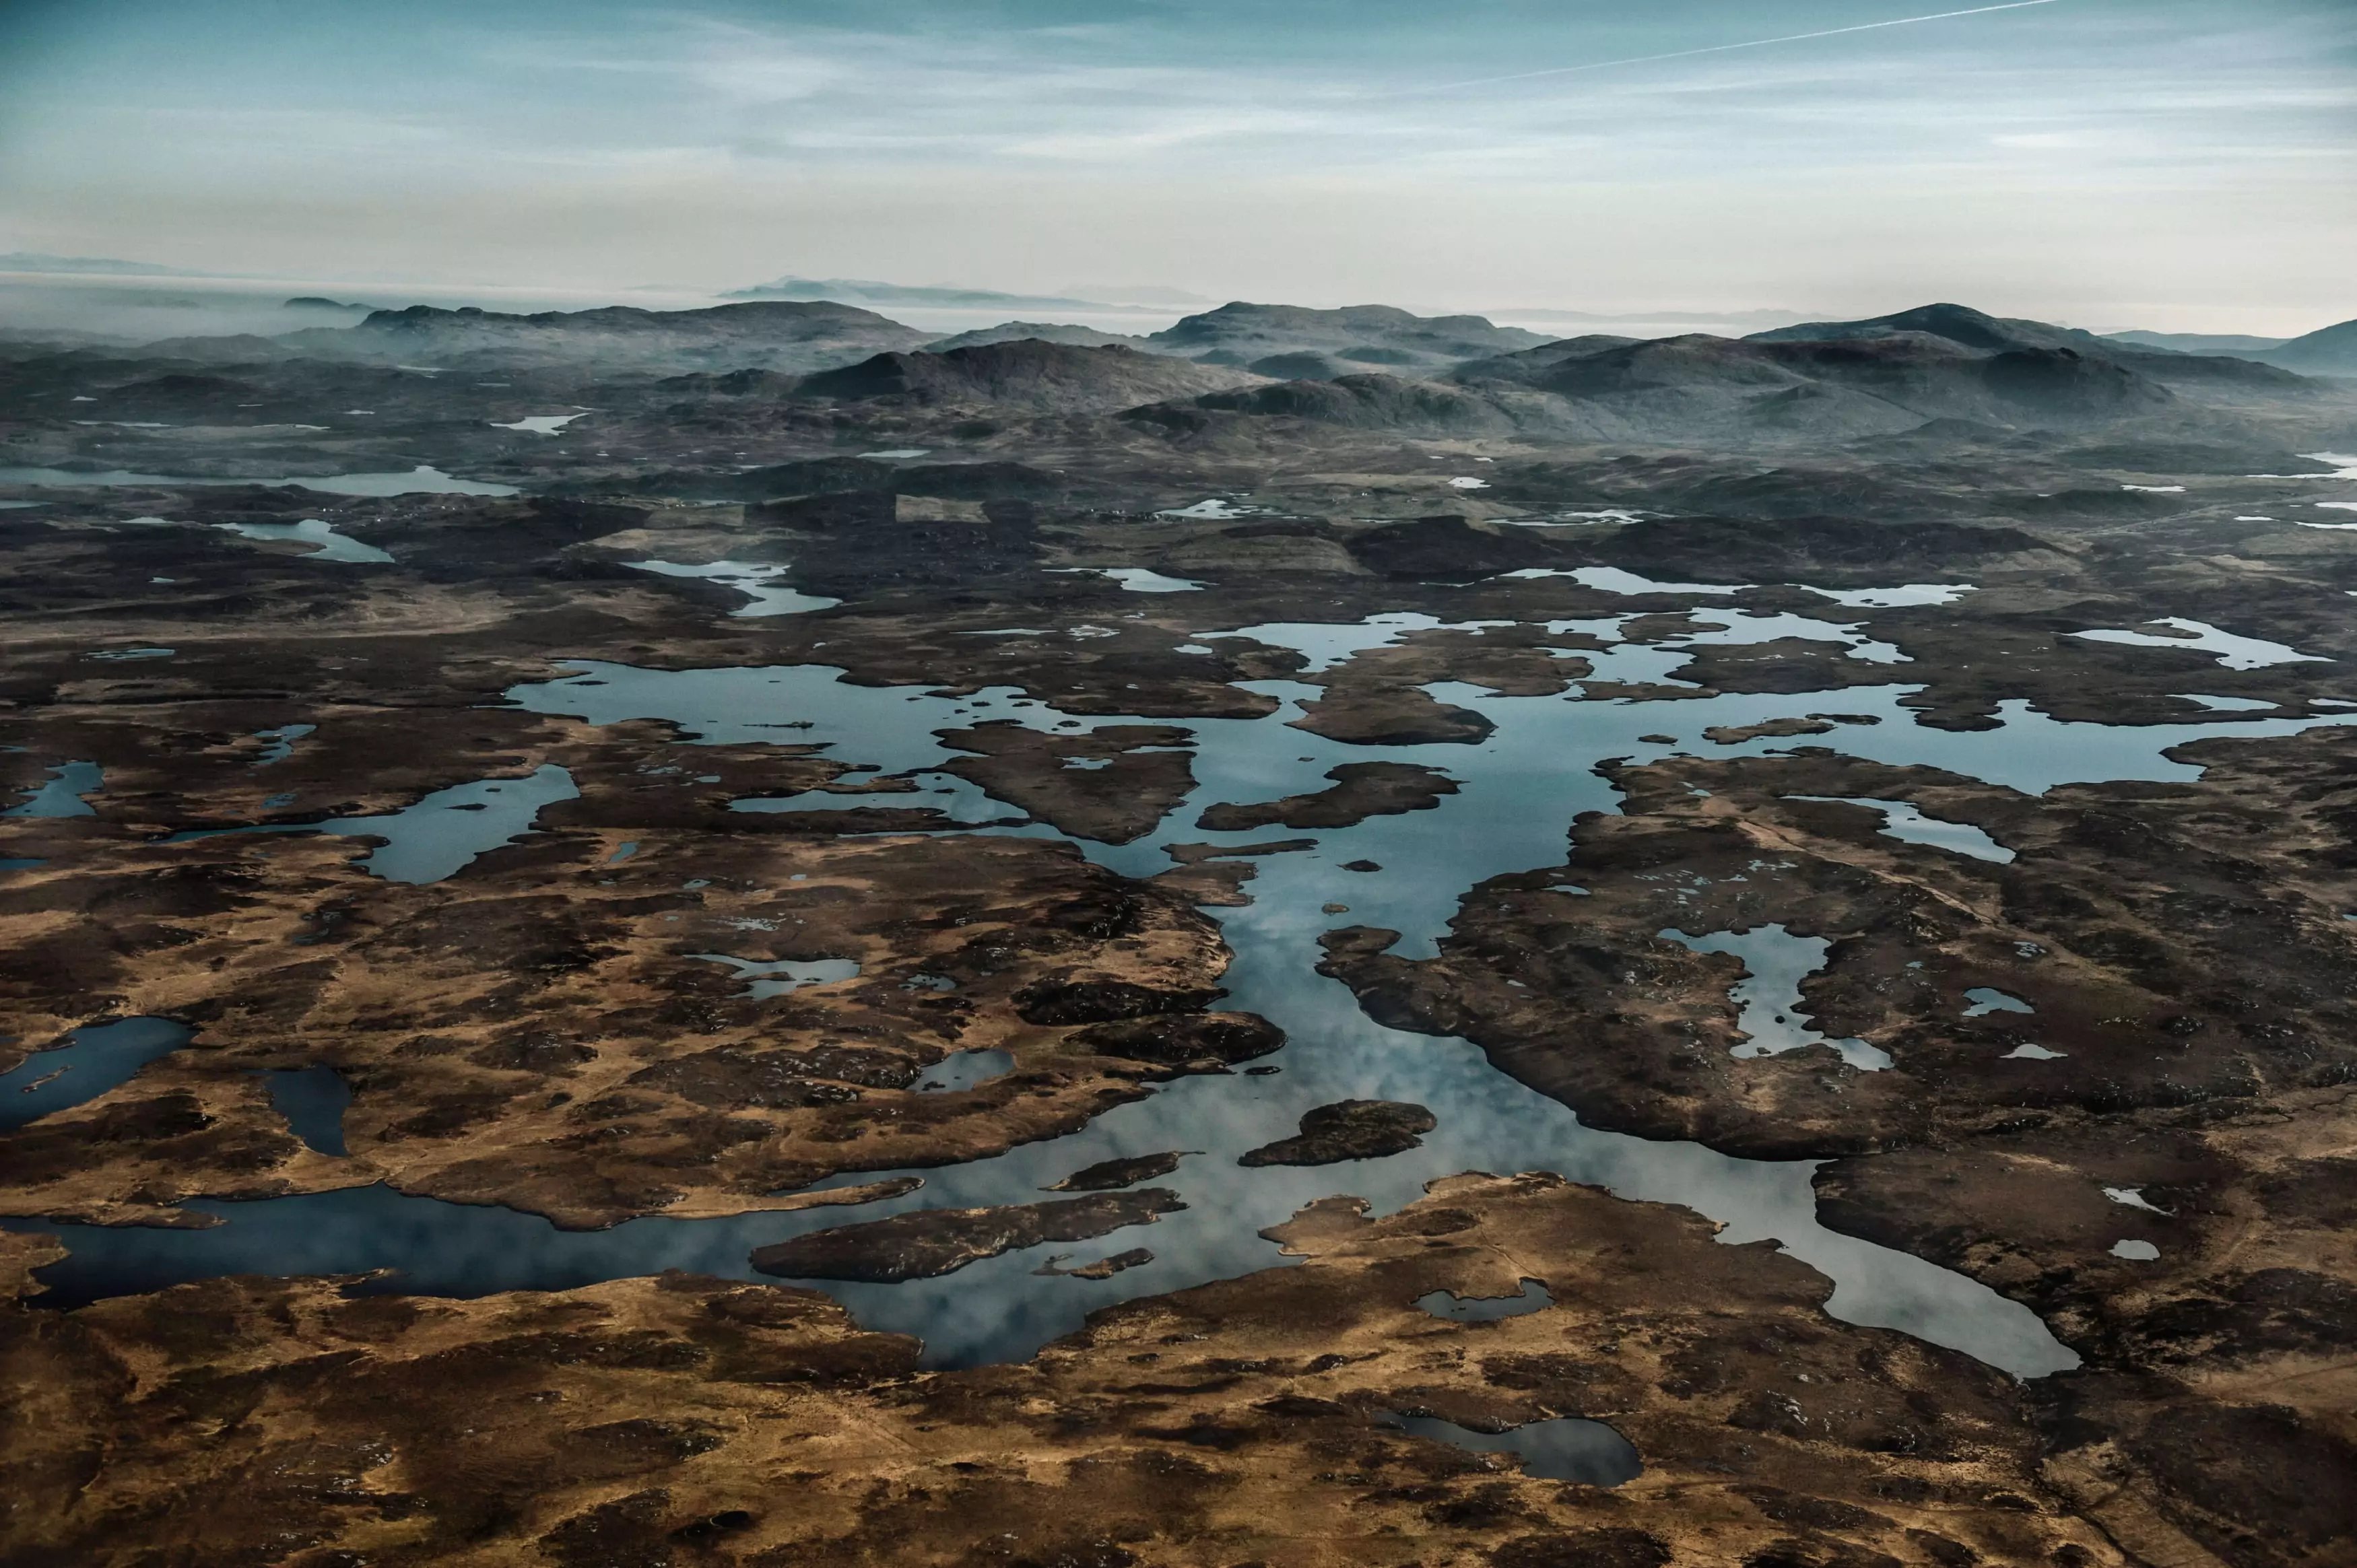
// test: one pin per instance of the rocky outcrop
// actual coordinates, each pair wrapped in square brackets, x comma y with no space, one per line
[1361,789]
[1347,1129]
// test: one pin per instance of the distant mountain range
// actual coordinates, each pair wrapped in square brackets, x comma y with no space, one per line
[2332,351]
[1287,342]
[1293,342]
[1110,297]
[1228,371]
[792,338]
[2329,352]
[1944,367]
[801,337]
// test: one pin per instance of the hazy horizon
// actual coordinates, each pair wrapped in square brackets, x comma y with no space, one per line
[2185,166]
[154,307]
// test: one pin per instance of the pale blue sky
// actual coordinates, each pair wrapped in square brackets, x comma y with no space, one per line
[2183,162]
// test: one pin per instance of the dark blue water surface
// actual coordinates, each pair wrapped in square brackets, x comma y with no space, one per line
[99,1056]
[313,1100]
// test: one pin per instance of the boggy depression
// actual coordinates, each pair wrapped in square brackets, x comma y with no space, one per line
[1195,1172]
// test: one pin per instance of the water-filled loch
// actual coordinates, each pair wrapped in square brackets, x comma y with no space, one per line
[313,1100]
[97,1057]
[1519,788]
[1565,1449]
[1485,1308]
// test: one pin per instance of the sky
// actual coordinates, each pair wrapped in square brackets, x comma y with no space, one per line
[2182,164]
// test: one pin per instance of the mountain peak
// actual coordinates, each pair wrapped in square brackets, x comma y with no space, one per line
[1959,324]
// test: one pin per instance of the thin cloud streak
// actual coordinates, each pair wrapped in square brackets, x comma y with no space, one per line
[1722,49]
[866,99]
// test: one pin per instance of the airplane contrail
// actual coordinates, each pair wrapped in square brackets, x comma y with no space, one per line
[1721,49]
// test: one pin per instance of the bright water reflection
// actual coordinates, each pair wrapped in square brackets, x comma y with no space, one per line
[764,587]
[1893,599]
[1904,821]
[1520,789]
[766,978]
[1134,579]
[1613,580]
[1216,509]
[2234,651]
[446,831]
[1771,1019]
[1983,1000]
[961,1070]
[331,545]
[2232,704]
[422,479]
[62,795]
